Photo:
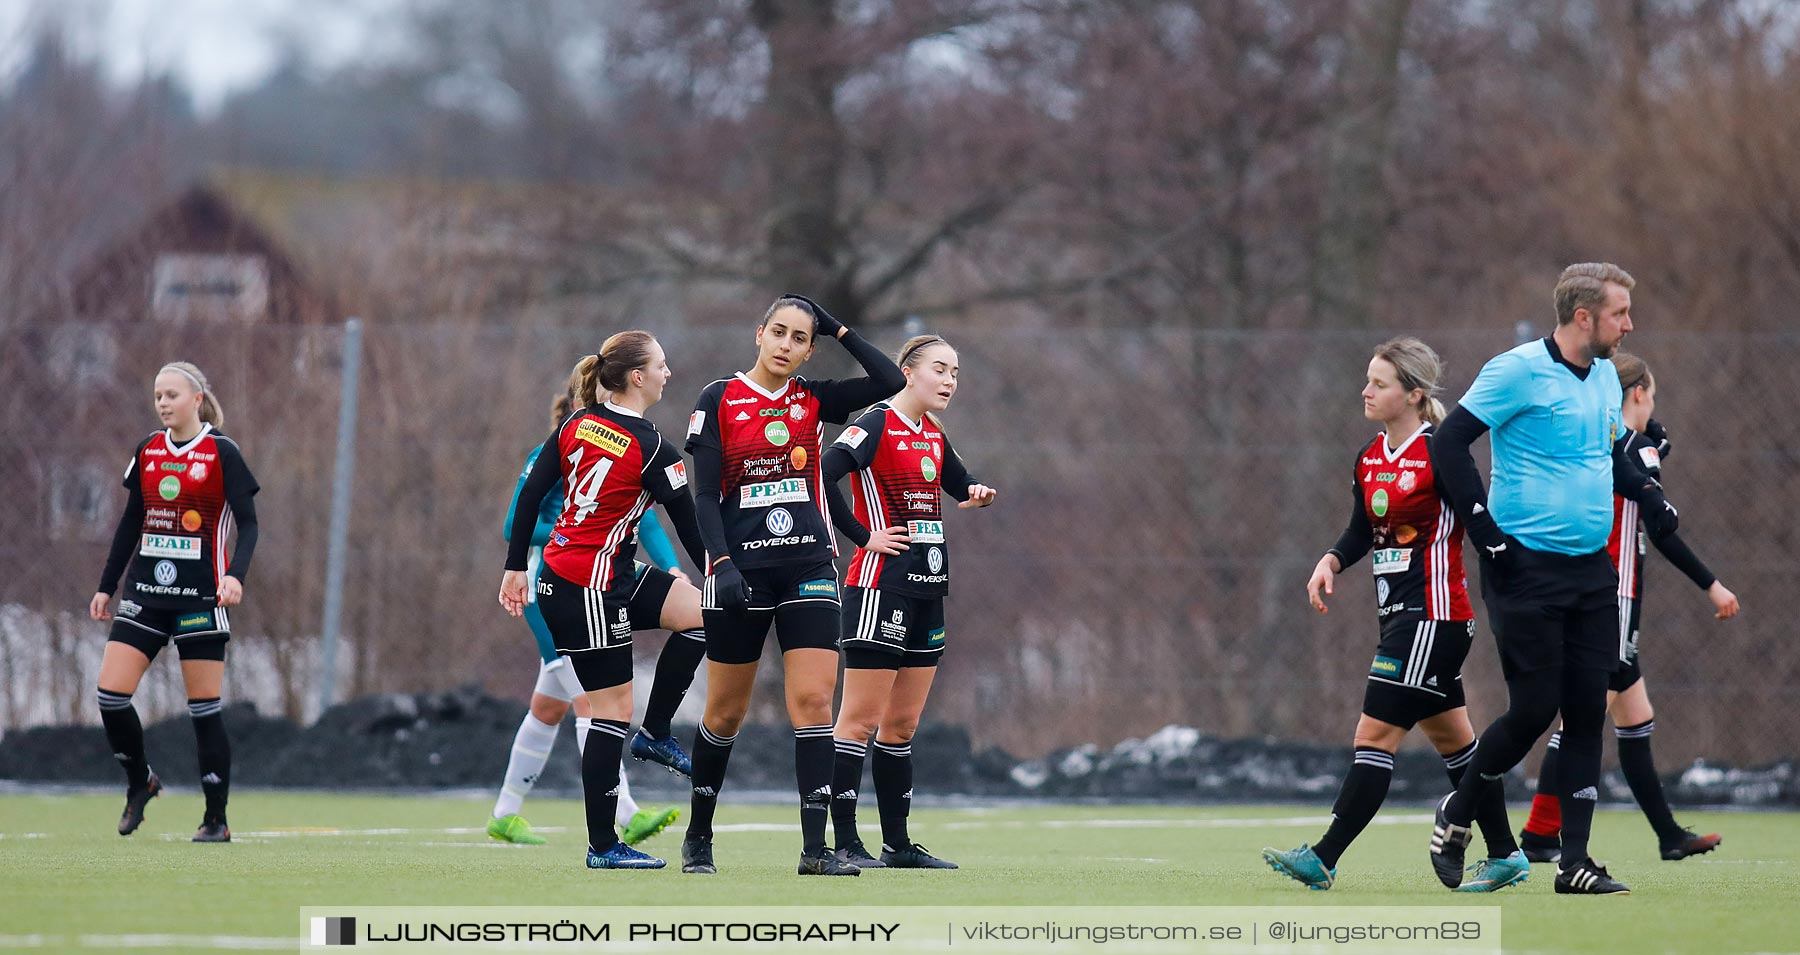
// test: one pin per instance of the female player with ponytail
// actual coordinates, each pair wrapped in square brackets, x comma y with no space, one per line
[187,489]
[1427,624]
[592,592]
[893,617]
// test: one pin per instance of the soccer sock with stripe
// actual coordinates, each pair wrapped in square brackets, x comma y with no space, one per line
[1578,769]
[1364,788]
[125,734]
[846,776]
[530,752]
[600,780]
[214,749]
[1639,767]
[1546,809]
[1490,814]
[812,773]
[675,667]
[711,753]
[892,771]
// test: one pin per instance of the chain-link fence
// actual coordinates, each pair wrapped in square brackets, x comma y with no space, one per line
[1164,494]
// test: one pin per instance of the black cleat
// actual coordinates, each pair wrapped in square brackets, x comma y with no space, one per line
[135,801]
[1448,845]
[696,856]
[1690,844]
[825,863]
[1540,848]
[213,830]
[857,855]
[1588,877]
[912,856]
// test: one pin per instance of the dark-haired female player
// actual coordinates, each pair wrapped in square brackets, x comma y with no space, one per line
[592,592]
[187,488]
[893,617]
[755,441]
[1644,445]
[1422,602]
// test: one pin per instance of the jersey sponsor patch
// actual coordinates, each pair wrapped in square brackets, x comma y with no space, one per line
[191,520]
[853,437]
[935,639]
[677,475]
[1650,457]
[169,488]
[934,559]
[925,532]
[786,491]
[169,545]
[696,421]
[1392,560]
[818,588]
[1385,666]
[776,432]
[607,438]
[188,623]
[780,522]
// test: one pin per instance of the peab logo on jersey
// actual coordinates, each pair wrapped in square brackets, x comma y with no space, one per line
[165,572]
[925,532]
[779,522]
[168,545]
[786,491]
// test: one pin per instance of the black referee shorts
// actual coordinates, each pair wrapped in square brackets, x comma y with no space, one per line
[1553,610]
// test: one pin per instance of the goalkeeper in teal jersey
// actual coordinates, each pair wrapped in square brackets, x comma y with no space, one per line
[558,691]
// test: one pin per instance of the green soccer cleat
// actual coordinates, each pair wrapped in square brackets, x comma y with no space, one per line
[513,828]
[1302,865]
[646,823]
[1492,875]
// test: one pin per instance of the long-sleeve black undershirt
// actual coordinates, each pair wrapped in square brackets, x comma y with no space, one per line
[544,473]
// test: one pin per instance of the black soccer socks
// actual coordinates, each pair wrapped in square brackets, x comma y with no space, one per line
[125,734]
[1360,796]
[214,749]
[675,667]
[600,780]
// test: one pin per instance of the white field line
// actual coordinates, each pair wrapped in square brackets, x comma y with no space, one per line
[182,942]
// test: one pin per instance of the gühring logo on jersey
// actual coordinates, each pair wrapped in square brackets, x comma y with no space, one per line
[169,545]
[776,432]
[785,491]
[596,433]
[169,487]
[925,532]
[779,522]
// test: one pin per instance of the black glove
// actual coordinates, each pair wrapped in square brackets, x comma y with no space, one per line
[1654,430]
[1660,517]
[825,325]
[729,589]
[1496,546]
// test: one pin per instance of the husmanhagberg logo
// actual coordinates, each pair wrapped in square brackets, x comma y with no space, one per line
[788,491]
[610,441]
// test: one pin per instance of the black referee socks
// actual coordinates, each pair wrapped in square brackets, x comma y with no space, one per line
[215,754]
[600,780]
[125,734]
[675,667]
[1364,788]
[892,770]
[812,772]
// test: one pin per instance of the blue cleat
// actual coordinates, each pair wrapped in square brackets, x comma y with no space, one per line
[622,856]
[1492,875]
[1302,865]
[663,752]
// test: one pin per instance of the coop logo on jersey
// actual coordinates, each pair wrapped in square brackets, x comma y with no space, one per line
[198,471]
[925,532]
[165,572]
[934,559]
[785,491]
[779,522]
[677,475]
[169,487]
[1379,502]
[852,437]
[610,441]
[773,412]
[191,520]
[1408,480]
[168,545]
[928,468]
[776,432]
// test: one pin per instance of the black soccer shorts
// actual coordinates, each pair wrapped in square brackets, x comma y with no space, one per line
[801,601]
[198,633]
[1417,672]
[1554,611]
[593,628]
[888,631]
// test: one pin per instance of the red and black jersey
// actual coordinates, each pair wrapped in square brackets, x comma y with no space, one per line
[186,492]
[1627,543]
[771,493]
[614,465]
[1414,536]
[899,467]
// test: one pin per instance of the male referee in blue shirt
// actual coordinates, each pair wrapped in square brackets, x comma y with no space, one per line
[1553,406]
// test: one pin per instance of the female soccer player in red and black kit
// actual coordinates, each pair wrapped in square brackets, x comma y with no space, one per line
[1645,445]
[755,440]
[187,488]
[591,591]
[1422,602]
[893,617]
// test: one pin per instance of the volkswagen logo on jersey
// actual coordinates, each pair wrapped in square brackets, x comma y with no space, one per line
[779,522]
[935,559]
[165,572]
[1381,590]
